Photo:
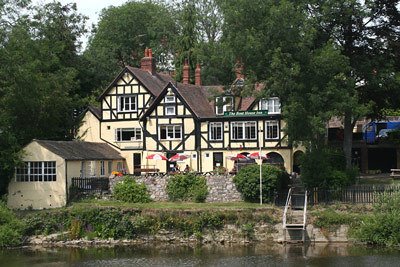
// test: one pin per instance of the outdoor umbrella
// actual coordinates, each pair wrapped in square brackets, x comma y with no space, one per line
[156,157]
[258,155]
[178,157]
[236,157]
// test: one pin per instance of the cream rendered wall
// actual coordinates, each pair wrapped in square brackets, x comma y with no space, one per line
[39,195]
[108,131]
[89,130]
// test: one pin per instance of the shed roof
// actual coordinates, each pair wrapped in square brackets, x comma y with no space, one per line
[78,150]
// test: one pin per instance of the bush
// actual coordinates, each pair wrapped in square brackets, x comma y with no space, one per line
[130,191]
[10,228]
[326,168]
[247,182]
[187,187]
[383,226]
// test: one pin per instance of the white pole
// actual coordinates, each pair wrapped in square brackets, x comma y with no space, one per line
[259,157]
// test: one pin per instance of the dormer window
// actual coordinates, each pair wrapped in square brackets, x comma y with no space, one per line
[127,103]
[273,105]
[222,104]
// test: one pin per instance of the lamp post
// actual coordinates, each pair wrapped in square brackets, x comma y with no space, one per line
[259,157]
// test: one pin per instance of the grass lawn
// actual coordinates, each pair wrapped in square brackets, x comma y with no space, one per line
[169,205]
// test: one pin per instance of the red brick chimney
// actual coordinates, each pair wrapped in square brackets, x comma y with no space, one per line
[239,70]
[186,72]
[148,62]
[197,75]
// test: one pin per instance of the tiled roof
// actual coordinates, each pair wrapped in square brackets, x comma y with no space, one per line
[154,83]
[197,99]
[96,111]
[78,150]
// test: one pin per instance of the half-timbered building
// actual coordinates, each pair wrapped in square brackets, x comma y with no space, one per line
[143,112]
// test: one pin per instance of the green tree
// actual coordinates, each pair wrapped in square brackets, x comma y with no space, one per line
[121,36]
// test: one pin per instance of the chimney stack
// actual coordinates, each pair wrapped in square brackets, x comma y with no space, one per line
[239,70]
[186,72]
[148,62]
[197,75]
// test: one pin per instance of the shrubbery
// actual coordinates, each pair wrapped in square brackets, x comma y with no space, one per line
[187,187]
[326,168]
[247,181]
[383,226]
[10,227]
[130,191]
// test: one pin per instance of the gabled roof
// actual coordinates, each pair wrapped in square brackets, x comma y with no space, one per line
[95,111]
[154,83]
[78,150]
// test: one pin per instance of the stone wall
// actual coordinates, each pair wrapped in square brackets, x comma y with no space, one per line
[220,187]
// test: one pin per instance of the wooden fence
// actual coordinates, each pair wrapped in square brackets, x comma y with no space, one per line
[91,184]
[357,194]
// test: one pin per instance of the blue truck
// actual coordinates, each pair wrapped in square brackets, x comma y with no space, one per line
[375,130]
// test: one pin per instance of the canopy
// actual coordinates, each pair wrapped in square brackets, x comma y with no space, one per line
[156,157]
[236,157]
[257,155]
[178,157]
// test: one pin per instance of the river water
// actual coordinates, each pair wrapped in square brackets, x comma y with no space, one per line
[172,255]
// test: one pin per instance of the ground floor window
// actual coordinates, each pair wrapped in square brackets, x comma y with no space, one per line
[36,171]
[245,130]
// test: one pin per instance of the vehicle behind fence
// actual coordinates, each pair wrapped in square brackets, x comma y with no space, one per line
[357,194]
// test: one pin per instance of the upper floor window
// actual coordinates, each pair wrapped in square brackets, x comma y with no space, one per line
[273,105]
[36,171]
[271,130]
[127,103]
[170,110]
[245,130]
[215,131]
[170,132]
[128,134]
[222,104]
[169,99]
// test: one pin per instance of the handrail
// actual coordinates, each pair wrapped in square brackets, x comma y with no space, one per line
[305,210]
[288,200]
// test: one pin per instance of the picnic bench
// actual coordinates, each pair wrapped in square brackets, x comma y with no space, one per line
[395,173]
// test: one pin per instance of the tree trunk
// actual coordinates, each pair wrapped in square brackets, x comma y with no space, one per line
[348,138]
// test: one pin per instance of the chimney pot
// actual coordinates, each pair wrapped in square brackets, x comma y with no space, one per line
[186,72]
[148,63]
[197,75]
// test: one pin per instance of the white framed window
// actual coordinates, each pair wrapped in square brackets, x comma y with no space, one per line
[110,163]
[271,130]
[215,131]
[36,171]
[128,134]
[127,103]
[273,105]
[169,99]
[170,110]
[102,168]
[245,130]
[170,132]
[222,104]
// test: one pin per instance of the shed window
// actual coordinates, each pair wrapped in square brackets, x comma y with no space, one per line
[36,171]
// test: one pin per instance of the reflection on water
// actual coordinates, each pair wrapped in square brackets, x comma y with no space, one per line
[171,255]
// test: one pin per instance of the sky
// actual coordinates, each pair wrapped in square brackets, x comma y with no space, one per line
[89,8]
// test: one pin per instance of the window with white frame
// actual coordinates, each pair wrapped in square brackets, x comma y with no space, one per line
[127,103]
[128,134]
[102,168]
[222,104]
[110,164]
[170,132]
[169,99]
[215,130]
[170,110]
[36,171]
[245,130]
[271,130]
[273,105]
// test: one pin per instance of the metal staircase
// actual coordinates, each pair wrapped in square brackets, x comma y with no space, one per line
[295,215]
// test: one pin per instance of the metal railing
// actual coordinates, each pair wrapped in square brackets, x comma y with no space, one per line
[288,203]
